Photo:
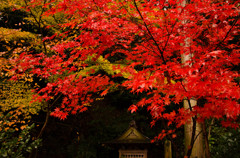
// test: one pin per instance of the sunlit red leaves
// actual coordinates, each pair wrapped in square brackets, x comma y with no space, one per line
[76,93]
[204,28]
[133,108]
[164,133]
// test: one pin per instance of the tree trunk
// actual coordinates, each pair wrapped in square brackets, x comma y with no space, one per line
[192,131]
[207,150]
[197,148]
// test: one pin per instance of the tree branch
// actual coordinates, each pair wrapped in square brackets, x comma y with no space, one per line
[194,119]
[234,23]
[39,23]
[149,32]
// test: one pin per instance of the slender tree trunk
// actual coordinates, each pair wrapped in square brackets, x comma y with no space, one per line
[193,142]
[192,131]
[34,152]
[207,150]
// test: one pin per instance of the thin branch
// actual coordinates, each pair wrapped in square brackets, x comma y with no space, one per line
[47,117]
[149,32]
[189,152]
[234,23]
[139,25]
[194,119]
[189,103]
[45,123]
[39,23]
[169,34]
[197,135]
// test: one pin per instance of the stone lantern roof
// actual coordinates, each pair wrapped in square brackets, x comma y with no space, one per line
[131,136]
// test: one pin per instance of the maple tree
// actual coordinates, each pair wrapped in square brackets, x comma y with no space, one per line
[141,41]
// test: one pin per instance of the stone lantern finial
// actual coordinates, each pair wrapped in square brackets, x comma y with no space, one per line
[133,124]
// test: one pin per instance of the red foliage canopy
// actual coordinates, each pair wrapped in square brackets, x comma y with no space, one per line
[153,35]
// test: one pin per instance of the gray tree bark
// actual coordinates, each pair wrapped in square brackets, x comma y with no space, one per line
[197,150]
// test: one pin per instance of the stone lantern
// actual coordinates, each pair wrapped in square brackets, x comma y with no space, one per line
[132,143]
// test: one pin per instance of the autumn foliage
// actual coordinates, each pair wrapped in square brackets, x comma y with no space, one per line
[144,40]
